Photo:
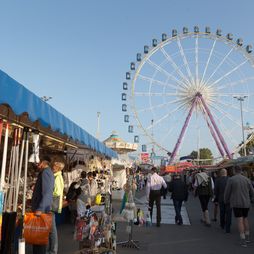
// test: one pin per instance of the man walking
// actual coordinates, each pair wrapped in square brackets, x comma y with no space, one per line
[239,193]
[179,194]
[225,210]
[153,191]
[42,195]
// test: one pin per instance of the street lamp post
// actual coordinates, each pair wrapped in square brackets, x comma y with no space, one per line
[241,99]
[98,125]
[152,152]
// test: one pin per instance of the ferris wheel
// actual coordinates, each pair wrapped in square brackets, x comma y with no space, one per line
[190,90]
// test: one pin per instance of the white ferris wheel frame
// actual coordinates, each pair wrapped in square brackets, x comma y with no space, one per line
[146,58]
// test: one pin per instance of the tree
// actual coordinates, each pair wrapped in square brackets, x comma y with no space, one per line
[194,154]
[204,154]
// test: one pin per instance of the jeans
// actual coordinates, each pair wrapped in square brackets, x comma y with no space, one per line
[52,247]
[178,206]
[225,216]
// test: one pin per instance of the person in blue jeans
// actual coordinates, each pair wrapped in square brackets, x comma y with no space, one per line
[179,194]
[42,195]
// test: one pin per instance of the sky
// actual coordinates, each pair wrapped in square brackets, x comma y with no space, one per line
[78,51]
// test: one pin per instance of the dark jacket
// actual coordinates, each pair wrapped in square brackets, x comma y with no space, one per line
[219,189]
[43,191]
[179,190]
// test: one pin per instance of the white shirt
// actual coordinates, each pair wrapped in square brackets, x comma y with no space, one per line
[155,182]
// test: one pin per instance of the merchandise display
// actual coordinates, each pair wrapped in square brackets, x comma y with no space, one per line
[95,230]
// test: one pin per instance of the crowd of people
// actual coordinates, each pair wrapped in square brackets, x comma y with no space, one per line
[48,196]
[229,194]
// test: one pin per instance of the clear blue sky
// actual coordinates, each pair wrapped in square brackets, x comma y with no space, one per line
[78,51]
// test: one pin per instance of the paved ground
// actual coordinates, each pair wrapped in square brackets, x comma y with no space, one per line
[167,210]
[169,238]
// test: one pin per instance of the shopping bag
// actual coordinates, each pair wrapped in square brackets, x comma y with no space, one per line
[37,228]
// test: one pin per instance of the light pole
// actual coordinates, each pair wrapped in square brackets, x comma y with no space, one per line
[241,99]
[98,125]
[152,152]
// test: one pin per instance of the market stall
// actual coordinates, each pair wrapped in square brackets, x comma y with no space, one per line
[120,165]
[30,127]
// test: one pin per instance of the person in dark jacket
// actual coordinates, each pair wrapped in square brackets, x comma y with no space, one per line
[179,194]
[43,195]
[225,210]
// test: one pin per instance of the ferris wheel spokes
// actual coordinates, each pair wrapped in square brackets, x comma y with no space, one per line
[155,81]
[175,123]
[162,70]
[175,66]
[158,106]
[196,58]
[231,106]
[228,73]
[154,94]
[164,117]
[208,61]
[231,95]
[223,112]
[219,65]
[186,64]
[241,81]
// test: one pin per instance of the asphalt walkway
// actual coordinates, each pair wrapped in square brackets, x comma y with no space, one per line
[169,238]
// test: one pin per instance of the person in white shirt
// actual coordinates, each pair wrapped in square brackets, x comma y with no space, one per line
[153,192]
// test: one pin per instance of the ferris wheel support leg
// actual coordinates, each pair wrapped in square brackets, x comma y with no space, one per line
[213,134]
[215,127]
[179,141]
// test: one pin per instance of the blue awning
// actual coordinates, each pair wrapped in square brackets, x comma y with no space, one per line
[21,100]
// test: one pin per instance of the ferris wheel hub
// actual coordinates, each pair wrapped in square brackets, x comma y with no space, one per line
[198,88]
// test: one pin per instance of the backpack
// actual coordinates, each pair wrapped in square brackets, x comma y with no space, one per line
[205,188]
[73,192]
